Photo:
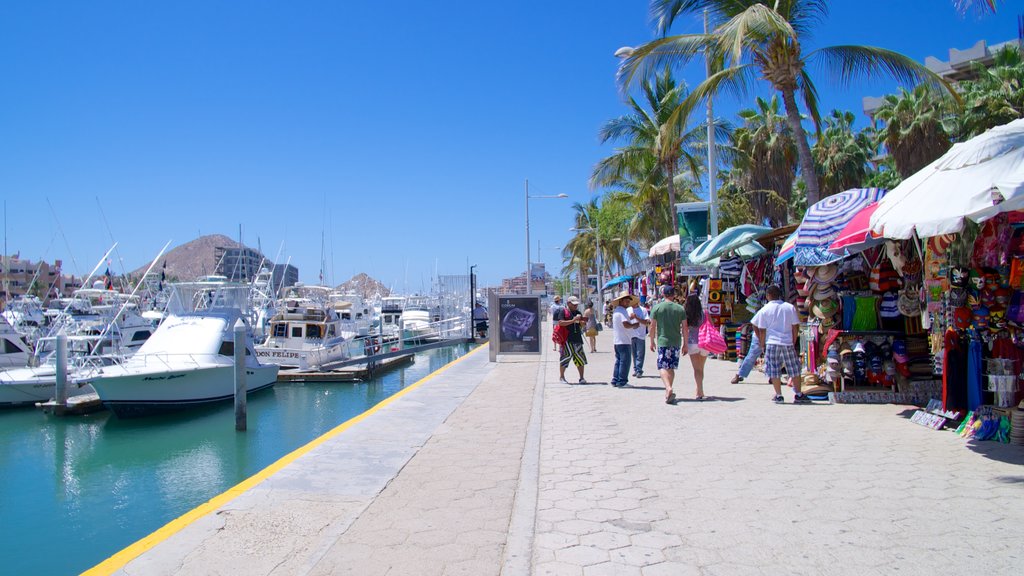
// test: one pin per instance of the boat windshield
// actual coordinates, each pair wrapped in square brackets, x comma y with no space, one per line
[191,297]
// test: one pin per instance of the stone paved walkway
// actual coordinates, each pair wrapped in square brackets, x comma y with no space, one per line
[500,469]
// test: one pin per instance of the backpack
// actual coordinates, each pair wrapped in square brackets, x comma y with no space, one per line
[559,334]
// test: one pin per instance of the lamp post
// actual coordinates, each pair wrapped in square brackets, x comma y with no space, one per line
[627,51]
[529,284]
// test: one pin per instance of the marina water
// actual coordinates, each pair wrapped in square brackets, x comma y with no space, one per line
[75,490]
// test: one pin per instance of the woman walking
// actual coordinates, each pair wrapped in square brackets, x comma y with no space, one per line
[691,345]
[591,332]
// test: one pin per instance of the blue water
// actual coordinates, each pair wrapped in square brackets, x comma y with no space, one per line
[75,490]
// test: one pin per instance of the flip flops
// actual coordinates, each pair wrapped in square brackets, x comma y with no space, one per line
[671,399]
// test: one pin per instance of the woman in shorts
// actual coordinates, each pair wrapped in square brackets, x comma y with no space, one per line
[691,344]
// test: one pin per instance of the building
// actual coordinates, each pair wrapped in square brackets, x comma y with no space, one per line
[960,66]
[239,263]
[43,279]
[284,275]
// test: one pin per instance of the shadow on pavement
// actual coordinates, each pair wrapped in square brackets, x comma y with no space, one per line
[1008,453]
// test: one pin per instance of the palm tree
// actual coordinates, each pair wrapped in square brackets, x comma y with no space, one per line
[979,6]
[914,132]
[765,161]
[750,37]
[994,98]
[658,139]
[841,155]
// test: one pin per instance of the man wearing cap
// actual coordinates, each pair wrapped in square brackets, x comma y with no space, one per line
[622,338]
[667,338]
[777,326]
[572,349]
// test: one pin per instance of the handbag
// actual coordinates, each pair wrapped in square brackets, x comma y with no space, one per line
[599,327]
[710,339]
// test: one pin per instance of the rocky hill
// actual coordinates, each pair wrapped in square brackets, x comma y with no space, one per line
[191,260]
[363,285]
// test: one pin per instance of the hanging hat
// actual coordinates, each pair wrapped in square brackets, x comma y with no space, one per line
[825,308]
[824,292]
[825,274]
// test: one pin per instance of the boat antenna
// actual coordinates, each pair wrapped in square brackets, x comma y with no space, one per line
[57,325]
[60,228]
[124,273]
[127,300]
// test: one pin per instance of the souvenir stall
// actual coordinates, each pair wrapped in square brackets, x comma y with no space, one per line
[858,341]
[968,287]
[743,265]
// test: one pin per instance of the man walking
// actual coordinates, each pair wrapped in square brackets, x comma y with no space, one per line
[572,349]
[639,340]
[666,338]
[778,325]
[749,360]
[622,335]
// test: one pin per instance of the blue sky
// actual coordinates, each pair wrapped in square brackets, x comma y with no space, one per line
[401,132]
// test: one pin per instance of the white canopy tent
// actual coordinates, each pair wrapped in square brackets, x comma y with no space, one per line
[976,179]
[664,246]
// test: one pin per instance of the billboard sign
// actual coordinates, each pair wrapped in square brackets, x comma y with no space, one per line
[515,327]
[694,222]
[537,276]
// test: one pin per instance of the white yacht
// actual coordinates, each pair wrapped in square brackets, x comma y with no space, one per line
[38,381]
[420,320]
[25,315]
[307,331]
[14,352]
[189,360]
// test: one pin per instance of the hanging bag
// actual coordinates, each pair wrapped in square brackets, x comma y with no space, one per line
[710,339]
[559,333]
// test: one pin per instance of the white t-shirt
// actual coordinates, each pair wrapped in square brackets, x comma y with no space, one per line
[641,314]
[621,334]
[777,318]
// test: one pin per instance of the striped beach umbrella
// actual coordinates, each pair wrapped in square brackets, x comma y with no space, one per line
[823,222]
[730,239]
[856,236]
[787,250]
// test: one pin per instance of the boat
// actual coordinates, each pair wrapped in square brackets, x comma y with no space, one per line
[37,382]
[25,314]
[419,321]
[307,332]
[189,360]
[14,352]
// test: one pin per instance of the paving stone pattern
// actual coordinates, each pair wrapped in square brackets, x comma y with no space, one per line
[433,484]
[738,485]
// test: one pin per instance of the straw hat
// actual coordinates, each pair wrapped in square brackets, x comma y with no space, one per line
[824,274]
[825,308]
[624,296]
[823,292]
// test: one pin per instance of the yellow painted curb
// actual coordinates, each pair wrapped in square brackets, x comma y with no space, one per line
[122,558]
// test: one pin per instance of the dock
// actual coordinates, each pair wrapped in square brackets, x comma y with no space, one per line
[76,405]
[349,373]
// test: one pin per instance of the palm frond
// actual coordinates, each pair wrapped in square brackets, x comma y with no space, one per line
[848,63]
[751,28]
[810,96]
[671,51]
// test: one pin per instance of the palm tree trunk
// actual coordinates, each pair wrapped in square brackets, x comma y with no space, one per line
[670,175]
[803,149]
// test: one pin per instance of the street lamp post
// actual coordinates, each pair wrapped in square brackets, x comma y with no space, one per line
[529,284]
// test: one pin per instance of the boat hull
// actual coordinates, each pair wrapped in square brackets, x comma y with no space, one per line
[132,395]
[26,386]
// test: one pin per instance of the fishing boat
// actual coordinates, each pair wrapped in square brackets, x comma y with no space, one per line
[14,352]
[307,331]
[189,360]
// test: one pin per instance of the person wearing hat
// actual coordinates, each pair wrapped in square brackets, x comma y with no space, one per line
[777,326]
[667,338]
[622,338]
[480,320]
[572,349]
[641,314]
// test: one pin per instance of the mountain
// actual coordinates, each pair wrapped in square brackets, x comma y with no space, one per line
[364,286]
[191,260]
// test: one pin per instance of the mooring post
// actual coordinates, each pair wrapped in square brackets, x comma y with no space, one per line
[61,397]
[240,391]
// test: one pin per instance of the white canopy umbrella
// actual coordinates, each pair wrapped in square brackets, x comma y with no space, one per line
[665,245]
[976,179]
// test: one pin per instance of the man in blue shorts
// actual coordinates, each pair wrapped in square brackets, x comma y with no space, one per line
[667,337]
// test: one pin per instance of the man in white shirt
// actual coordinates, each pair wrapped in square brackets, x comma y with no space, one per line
[639,313]
[778,325]
[622,338]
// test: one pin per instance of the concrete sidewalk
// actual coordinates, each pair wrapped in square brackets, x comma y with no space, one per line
[500,469]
